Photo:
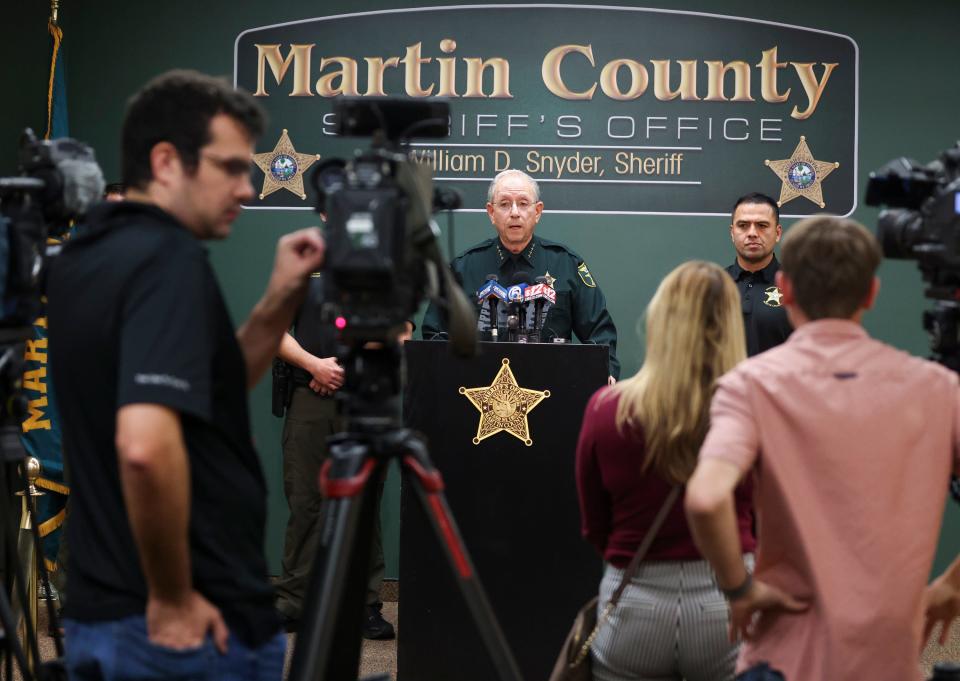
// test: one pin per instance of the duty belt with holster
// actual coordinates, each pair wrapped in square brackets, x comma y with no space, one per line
[282,387]
[286,378]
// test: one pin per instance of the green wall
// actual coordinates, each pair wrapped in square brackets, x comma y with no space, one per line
[909,100]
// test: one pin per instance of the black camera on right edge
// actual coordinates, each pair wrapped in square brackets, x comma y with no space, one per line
[921,222]
[922,218]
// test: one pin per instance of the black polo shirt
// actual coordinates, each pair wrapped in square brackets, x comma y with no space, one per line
[764,317]
[136,316]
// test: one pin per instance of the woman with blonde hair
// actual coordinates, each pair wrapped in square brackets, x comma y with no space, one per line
[639,439]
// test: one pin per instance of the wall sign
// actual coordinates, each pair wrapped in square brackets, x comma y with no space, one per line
[612,109]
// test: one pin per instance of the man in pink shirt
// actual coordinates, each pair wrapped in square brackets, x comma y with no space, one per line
[852,443]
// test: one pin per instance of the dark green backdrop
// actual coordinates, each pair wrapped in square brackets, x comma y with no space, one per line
[909,99]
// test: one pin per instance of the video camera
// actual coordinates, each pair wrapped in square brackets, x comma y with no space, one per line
[58,181]
[922,223]
[382,257]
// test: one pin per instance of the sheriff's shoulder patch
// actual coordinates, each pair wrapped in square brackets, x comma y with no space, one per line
[585,275]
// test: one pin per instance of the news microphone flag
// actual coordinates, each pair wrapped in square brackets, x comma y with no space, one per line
[491,289]
[515,293]
[541,292]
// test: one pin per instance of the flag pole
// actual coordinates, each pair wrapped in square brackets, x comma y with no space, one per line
[54,11]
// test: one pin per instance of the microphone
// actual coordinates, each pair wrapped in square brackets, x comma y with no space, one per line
[540,294]
[517,310]
[492,293]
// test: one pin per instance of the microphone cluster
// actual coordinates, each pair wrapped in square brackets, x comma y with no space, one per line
[520,308]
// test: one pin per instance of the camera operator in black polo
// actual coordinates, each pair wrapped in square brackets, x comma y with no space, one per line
[168,576]
[755,230]
[311,417]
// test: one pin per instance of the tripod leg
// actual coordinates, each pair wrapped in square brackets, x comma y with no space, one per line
[328,644]
[427,481]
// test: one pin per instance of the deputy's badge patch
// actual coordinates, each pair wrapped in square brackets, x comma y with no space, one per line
[773,297]
[585,275]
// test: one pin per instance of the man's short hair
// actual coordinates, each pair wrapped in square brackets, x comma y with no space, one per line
[512,171]
[757,197]
[831,263]
[177,107]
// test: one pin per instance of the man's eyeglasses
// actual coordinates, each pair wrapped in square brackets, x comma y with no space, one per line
[522,206]
[234,167]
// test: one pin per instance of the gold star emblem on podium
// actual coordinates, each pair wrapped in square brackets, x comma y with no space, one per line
[504,405]
[801,175]
[283,168]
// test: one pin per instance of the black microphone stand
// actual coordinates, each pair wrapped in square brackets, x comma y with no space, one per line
[537,314]
[494,321]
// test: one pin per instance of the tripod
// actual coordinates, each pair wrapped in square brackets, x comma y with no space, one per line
[328,645]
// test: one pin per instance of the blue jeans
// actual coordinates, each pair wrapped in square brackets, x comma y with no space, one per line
[119,650]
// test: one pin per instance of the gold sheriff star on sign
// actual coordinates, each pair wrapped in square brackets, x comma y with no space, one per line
[504,406]
[283,168]
[801,175]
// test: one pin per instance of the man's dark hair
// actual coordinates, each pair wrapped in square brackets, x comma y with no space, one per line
[757,197]
[115,188]
[177,107]
[831,263]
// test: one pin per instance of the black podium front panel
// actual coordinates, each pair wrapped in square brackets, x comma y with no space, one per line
[515,504]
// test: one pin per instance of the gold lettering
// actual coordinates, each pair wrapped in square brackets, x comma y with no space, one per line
[550,71]
[812,87]
[347,75]
[375,68]
[688,80]
[34,421]
[33,380]
[448,69]
[412,62]
[501,160]
[33,354]
[716,70]
[638,79]
[501,77]
[768,76]
[270,55]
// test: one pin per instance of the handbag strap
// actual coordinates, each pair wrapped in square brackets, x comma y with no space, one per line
[628,574]
[655,526]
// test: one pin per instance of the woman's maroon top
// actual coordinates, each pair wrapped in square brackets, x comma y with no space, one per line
[618,502]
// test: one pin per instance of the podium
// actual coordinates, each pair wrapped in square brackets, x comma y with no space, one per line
[513,498]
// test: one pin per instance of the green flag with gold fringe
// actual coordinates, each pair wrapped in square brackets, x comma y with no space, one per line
[41,429]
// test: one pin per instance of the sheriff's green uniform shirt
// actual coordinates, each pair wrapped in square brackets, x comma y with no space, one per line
[580,308]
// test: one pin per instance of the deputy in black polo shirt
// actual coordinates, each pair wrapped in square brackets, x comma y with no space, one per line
[755,231]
